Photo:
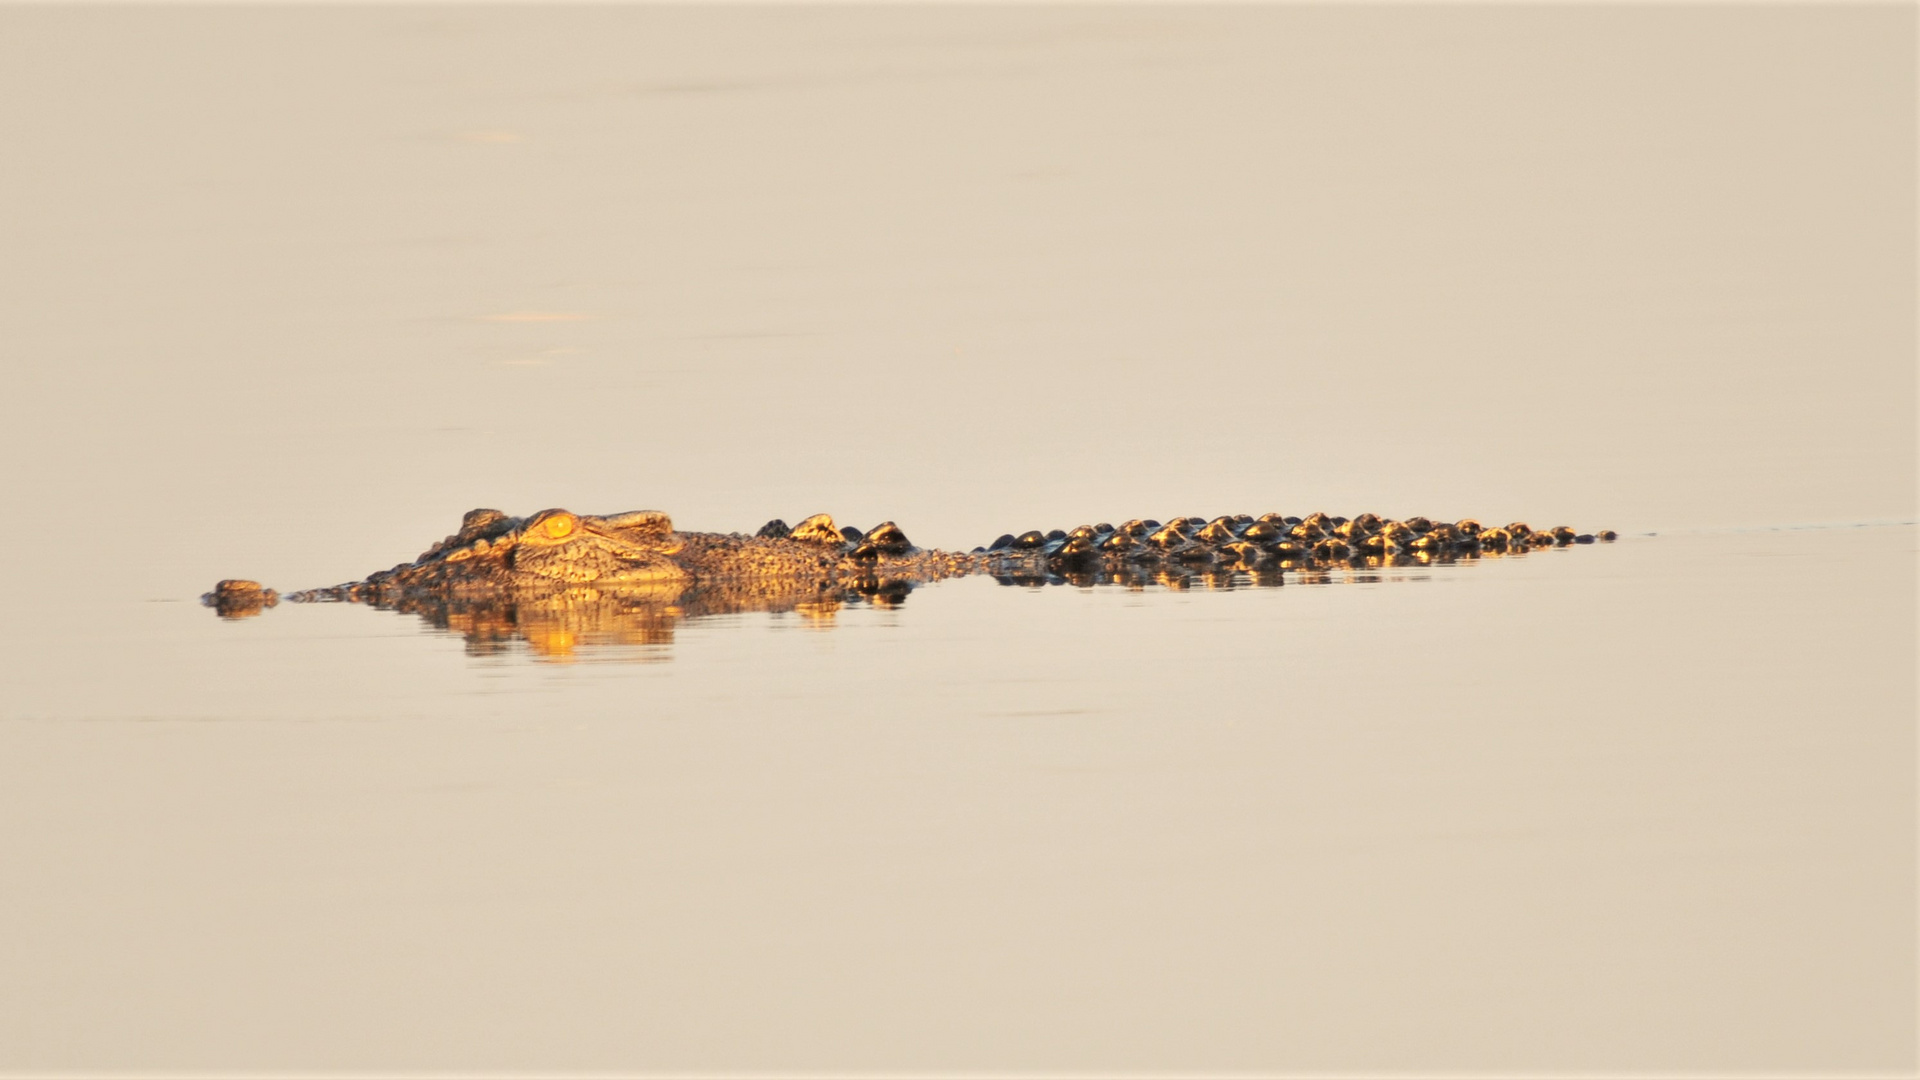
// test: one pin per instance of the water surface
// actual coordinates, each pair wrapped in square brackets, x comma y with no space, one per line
[284,291]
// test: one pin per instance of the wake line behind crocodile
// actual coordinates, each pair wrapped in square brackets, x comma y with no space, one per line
[639,553]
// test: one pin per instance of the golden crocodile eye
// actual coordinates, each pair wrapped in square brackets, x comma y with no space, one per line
[559,526]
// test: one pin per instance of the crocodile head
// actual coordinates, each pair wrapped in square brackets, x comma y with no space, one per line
[630,548]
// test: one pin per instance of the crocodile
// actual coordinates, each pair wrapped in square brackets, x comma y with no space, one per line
[559,577]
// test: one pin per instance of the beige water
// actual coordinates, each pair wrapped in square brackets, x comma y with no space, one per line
[284,291]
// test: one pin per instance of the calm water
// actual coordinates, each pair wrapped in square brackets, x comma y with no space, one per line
[284,291]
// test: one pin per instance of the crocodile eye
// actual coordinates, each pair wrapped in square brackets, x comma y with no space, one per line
[559,526]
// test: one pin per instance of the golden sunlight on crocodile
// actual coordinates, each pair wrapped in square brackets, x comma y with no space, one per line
[558,580]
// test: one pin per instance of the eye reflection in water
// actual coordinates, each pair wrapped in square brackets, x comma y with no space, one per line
[620,623]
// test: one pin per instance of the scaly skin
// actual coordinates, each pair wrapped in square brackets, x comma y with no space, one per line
[571,577]
[638,554]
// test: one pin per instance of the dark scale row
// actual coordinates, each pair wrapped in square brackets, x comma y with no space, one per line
[1274,539]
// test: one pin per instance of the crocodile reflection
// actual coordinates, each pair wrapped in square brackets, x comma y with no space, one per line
[560,581]
[639,622]
[631,622]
